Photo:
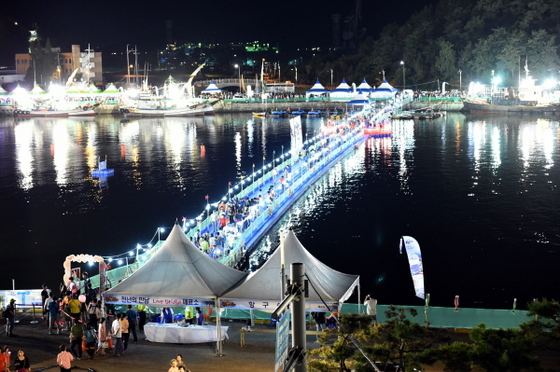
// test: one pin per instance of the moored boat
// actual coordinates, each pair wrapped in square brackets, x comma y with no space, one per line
[199,110]
[475,107]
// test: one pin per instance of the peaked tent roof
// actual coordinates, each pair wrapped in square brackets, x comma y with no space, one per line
[212,88]
[318,88]
[364,87]
[342,90]
[264,284]
[359,99]
[111,88]
[385,90]
[179,269]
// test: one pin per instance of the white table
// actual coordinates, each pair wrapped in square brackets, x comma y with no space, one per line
[171,333]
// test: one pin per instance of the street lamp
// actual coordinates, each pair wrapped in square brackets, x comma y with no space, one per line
[331,79]
[460,82]
[403,76]
[238,67]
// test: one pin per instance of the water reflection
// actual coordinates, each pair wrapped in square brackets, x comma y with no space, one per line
[413,183]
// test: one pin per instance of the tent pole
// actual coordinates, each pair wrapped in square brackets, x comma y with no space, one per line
[218,327]
[360,299]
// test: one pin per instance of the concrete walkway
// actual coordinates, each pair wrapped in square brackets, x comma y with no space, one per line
[257,355]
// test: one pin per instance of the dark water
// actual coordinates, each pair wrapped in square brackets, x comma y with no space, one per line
[480,194]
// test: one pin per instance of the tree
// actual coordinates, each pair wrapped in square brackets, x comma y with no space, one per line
[340,356]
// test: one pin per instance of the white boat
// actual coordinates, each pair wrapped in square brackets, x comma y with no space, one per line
[197,110]
[41,112]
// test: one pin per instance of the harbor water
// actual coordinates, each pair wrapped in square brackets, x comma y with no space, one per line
[480,194]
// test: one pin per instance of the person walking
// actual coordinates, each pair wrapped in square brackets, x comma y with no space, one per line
[102,336]
[116,331]
[21,363]
[371,308]
[320,321]
[52,312]
[132,317]
[64,359]
[125,334]
[141,317]
[91,337]
[94,313]
[76,336]
[44,297]
[10,317]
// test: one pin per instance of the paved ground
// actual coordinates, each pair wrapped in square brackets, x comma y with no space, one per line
[257,355]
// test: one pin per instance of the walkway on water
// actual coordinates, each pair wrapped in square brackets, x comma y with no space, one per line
[255,204]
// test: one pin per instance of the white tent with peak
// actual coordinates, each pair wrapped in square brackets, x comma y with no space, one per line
[262,289]
[178,274]
[211,89]
[343,90]
[316,90]
[364,87]
[384,90]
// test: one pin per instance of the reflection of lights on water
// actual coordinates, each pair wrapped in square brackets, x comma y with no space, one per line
[23,134]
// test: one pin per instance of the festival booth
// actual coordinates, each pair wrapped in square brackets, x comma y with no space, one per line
[342,91]
[384,91]
[178,275]
[262,290]
[359,99]
[365,88]
[212,89]
[316,90]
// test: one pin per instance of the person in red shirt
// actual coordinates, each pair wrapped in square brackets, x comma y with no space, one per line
[5,359]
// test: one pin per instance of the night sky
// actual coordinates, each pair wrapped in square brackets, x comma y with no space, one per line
[111,25]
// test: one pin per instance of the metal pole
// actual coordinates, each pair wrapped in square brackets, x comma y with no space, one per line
[298,314]
[127,65]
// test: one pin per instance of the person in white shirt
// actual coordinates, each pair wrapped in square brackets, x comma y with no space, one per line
[371,308]
[116,330]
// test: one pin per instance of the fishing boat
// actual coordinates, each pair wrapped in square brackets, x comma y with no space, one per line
[169,111]
[507,107]
[529,98]
[278,113]
[297,112]
[45,112]
[314,113]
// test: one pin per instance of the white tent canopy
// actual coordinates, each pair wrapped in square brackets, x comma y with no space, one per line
[211,89]
[316,90]
[262,290]
[179,272]
[343,90]
[359,99]
[364,87]
[385,90]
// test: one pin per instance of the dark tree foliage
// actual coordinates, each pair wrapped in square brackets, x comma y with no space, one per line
[43,63]
[474,36]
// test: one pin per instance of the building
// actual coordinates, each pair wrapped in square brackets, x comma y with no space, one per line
[88,63]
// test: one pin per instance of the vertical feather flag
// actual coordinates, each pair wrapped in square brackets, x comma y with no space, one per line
[415,261]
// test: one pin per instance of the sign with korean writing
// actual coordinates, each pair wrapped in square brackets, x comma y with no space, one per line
[270,305]
[282,340]
[158,301]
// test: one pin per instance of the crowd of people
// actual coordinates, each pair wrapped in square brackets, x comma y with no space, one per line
[79,311]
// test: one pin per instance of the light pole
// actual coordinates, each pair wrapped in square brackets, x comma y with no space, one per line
[295,68]
[238,67]
[331,79]
[460,82]
[403,76]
